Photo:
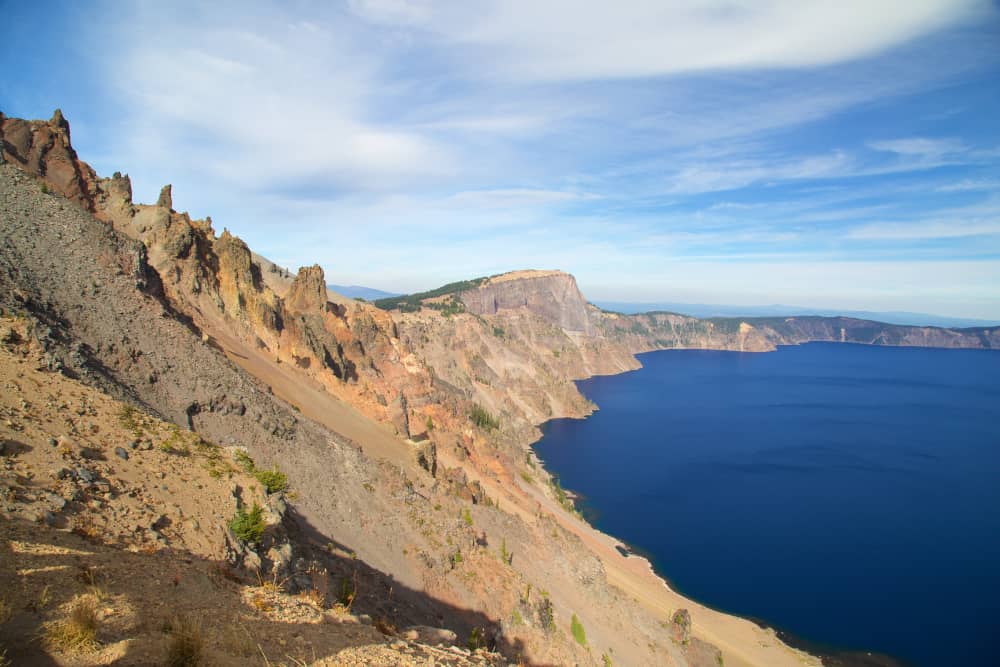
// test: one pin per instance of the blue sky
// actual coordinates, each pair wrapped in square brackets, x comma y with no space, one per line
[837,155]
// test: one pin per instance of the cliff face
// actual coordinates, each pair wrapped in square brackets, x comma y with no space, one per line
[552,295]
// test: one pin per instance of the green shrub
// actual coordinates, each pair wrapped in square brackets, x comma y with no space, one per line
[248,527]
[272,480]
[244,461]
[576,627]
[467,516]
[483,419]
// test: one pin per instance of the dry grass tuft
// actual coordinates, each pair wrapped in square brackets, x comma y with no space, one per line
[186,644]
[237,639]
[78,631]
[314,597]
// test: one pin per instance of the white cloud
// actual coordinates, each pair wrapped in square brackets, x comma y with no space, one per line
[920,147]
[260,102]
[738,174]
[970,185]
[566,39]
[517,197]
[933,229]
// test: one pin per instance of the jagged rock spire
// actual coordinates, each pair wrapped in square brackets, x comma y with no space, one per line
[166,199]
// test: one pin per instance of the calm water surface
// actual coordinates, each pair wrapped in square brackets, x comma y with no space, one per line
[845,493]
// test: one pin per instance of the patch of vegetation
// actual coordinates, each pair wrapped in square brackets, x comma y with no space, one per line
[498,331]
[516,618]
[244,461]
[453,306]
[576,627]
[272,480]
[467,516]
[131,419]
[546,614]
[561,496]
[78,631]
[455,558]
[483,419]
[475,639]
[412,302]
[175,443]
[186,644]
[527,477]
[348,591]
[429,423]
[605,660]
[248,527]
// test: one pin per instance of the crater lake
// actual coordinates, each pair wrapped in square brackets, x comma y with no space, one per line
[846,494]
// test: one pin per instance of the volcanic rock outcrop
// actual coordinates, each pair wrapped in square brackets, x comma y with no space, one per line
[552,295]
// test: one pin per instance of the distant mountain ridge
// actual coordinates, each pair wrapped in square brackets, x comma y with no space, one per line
[708,310]
[361,292]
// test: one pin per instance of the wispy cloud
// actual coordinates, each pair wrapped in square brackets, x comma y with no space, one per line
[652,38]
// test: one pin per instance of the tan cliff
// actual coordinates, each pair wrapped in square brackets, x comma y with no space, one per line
[552,295]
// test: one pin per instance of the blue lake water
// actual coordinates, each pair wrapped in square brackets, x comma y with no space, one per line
[847,494]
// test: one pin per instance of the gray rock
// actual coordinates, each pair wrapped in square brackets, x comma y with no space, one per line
[133,444]
[281,556]
[53,442]
[426,634]
[121,453]
[85,475]
[251,560]
[54,501]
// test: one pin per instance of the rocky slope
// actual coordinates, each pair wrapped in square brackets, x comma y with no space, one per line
[152,307]
[111,510]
